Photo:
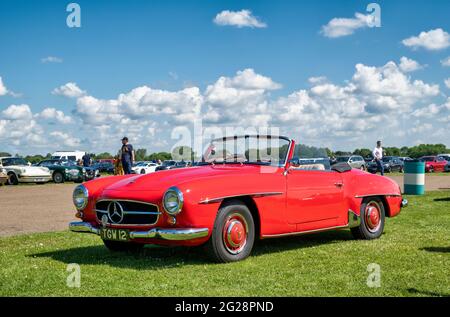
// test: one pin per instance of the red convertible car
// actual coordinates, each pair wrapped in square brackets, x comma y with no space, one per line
[245,188]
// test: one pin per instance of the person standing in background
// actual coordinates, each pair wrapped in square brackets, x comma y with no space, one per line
[86,160]
[127,155]
[378,157]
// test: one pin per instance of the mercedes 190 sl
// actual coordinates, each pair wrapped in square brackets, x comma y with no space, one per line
[245,188]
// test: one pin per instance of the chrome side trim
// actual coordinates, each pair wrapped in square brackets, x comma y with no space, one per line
[298,233]
[182,234]
[370,195]
[353,221]
[255,195]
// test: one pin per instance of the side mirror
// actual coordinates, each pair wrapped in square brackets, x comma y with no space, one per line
[293,162]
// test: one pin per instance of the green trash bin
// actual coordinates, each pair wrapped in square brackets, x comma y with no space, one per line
[414,177]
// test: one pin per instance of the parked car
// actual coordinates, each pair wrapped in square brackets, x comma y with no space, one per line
[231,199]
[3,176]
[166,165]
[434,163]
[104,167]
[91,172]
[144,168]
[444,156]
[390,164]
[355,161]
[64,170]
[21,171]
[68,155]
[447,167]
[404,158]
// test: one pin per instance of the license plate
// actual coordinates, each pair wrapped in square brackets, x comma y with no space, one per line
[114,234]
[39,180]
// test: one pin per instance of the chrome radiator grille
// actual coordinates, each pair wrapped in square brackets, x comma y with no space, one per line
[126,212]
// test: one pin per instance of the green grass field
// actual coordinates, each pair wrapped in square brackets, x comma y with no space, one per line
[413,254]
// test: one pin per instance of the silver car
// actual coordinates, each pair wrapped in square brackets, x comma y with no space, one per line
[355,161]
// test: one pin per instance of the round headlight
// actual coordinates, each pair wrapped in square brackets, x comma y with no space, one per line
[173,201]
[80,197]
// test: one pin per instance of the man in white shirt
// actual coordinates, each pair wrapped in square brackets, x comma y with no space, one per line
[378,156]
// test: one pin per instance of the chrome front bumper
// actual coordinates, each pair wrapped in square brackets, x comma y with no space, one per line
[404,203]
[156,233]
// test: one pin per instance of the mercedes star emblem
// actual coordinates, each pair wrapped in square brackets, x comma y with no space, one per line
[115,212]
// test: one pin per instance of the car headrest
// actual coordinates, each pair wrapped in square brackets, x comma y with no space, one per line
[341,167]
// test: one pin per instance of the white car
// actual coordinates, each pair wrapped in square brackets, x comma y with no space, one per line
[19,171]
[144,168]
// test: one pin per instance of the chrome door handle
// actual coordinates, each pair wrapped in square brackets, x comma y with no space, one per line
[337,184]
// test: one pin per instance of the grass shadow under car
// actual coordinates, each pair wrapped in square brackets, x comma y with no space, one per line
[155,257]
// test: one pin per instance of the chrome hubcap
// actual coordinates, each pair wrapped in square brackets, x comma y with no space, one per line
[373,216]
[235,233]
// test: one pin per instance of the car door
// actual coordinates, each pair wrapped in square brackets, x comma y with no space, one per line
[313,196]
[440,164]
[351,161]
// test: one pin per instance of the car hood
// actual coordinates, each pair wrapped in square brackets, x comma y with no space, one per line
[162,180]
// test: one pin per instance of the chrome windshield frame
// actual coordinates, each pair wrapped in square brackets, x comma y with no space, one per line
[257,136]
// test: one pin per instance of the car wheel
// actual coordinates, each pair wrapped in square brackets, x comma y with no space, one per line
[233,233]
[431,169]
[12,179]
[58,177]
[142,171]
[362,168]
[372,219]
[401,169]
[117,246]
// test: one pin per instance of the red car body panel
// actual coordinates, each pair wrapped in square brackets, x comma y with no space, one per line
[285,200]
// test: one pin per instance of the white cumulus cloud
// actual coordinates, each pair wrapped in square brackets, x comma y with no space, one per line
[70,90]
[338,27]
[240,19]
[447,82]
[409,65]
[17,112]
[3,89]
[446,62]
[53,114]
[432,40]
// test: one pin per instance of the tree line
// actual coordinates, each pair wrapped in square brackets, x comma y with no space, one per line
[301,150]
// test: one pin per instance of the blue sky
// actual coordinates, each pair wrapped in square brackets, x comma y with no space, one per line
[170,45]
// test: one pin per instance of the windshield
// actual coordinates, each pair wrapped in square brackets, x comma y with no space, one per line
[342,159]
[168,163]
[265,150]
[427,159]
[387,159]
[14,161]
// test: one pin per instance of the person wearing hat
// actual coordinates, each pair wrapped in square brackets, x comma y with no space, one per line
[127,156]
